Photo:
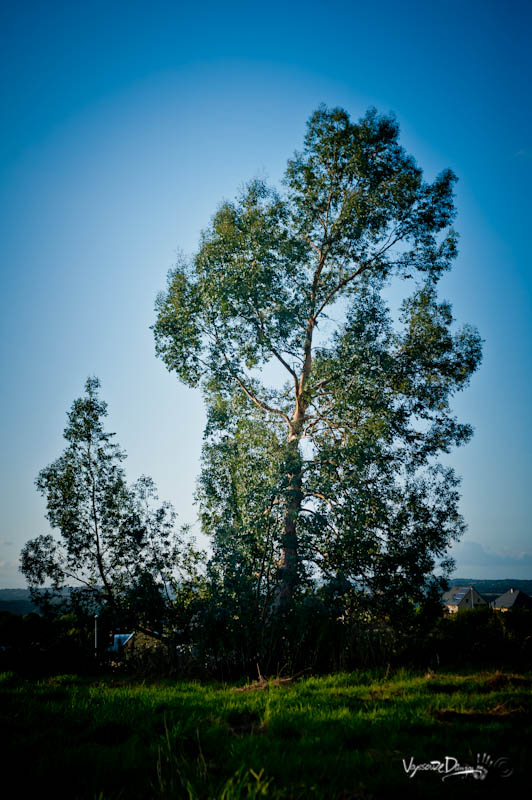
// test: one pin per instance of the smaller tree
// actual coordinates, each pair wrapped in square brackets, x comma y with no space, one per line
[115,547]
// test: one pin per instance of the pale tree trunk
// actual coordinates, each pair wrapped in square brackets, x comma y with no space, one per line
[287,575]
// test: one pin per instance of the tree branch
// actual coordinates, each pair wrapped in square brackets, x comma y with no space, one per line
[255,399]
[277,355]
[252,396]
[355,274]
[320,496]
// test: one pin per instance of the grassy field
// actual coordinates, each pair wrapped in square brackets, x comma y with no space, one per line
[342,736]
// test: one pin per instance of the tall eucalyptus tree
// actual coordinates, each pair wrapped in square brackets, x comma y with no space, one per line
[333,471]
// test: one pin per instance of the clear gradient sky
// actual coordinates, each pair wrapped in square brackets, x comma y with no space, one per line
[124,124]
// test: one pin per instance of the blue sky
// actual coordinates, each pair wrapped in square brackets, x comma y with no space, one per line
[123,127]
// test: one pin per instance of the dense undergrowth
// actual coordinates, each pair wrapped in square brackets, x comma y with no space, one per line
[482,638]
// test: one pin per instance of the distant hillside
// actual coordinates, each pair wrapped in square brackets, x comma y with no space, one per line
[17,601]
[492,589]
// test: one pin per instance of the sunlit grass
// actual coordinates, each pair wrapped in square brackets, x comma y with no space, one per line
[339,736]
